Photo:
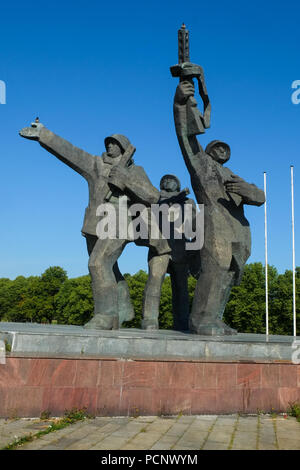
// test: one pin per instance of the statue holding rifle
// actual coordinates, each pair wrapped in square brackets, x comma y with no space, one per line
[227,241]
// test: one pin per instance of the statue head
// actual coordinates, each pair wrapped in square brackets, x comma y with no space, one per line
[169,183]
[219,151]
[116,145]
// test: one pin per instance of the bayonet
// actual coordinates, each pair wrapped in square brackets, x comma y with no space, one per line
[186,70]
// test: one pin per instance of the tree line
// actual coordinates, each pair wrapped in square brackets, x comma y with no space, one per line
[53,298]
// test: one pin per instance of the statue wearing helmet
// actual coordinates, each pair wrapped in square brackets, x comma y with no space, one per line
[109,177]
[227,241]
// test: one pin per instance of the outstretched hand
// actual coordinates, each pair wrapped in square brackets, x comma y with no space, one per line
[184,90]
[33,132]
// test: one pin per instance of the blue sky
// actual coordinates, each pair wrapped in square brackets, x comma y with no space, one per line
[96,68]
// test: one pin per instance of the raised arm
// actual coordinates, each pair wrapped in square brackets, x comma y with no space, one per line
[192,151]
[75,158]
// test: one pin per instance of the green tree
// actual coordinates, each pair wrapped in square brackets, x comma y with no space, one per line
[281,311]
[32,299]
[136,284]
[6,299]
[165,318]
[74,302]
[245,310]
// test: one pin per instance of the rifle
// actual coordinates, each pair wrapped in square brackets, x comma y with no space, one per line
[186,70]
[123,163]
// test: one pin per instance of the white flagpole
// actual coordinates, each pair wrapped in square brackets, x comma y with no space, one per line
[294,267]
[266,256]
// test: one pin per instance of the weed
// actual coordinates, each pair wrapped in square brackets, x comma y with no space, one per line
[45,415]
[70,417]
[294,410]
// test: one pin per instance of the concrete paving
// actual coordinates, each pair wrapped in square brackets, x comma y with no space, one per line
[234,432]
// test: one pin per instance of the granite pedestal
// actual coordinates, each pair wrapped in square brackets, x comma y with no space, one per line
[129,371]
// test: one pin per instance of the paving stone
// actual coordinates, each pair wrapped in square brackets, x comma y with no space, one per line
[267,439]
[122,421]
[157,426]
[143,441]
[244,440]
[200,426]
[33,445]
[110,427]
[158,433]
[84,444]
[130,429]
[221,435]
[91,439]
[247,424]
[165,443]
[266,419]
[212,445]
[191,439]
[65,442]
[183,448]
[266,445]
[288,444]
[208,417]
[185,419]
[49,447]
[146,419]
[110,443]
[226,420]
[130,446]
[177,430]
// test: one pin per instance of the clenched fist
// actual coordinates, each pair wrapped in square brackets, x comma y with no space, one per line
[184,90]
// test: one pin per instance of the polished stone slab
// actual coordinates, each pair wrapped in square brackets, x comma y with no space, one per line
[69,340]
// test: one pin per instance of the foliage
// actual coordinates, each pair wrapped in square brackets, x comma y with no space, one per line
[136,284]
[31,299]
[74,301]
[52,297]
[294,410]
[245,310]
[70,417]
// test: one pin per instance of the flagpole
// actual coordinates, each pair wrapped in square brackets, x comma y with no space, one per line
[294,266]
[266,257]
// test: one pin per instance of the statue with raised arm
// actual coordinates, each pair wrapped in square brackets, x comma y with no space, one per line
[109,177]
[227,241]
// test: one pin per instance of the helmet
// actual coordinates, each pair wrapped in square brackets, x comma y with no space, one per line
[173,177]
[216,143]
[119,139]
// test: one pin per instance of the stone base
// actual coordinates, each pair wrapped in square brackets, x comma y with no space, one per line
[192,378]
[67,340]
